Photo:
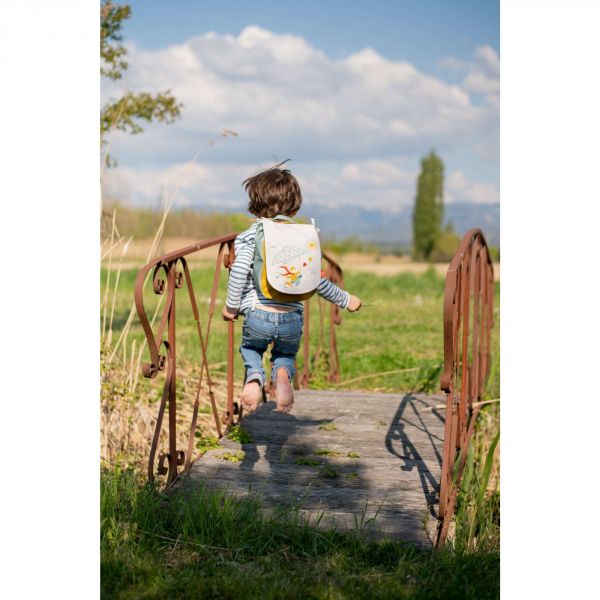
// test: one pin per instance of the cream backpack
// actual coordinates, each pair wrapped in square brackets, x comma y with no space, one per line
[287,261]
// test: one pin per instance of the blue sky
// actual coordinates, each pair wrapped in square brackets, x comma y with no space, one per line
[354,92]
[422,31]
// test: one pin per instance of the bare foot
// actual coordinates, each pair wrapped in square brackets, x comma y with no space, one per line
[251,396]
[284,393]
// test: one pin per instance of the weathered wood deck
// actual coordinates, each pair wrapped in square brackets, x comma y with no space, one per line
[399,440]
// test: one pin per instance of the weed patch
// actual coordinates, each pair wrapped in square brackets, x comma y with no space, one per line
[238,434]
[205,442]
[309,462]
[325,452]
[234,457]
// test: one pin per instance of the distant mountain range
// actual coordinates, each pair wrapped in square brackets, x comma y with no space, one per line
[395,228]
[388,229]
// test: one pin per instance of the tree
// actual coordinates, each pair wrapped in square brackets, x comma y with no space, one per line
[429,206]
[126,112]
[446,244]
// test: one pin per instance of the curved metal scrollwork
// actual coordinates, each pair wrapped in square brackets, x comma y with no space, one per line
[468,319]
[170,273]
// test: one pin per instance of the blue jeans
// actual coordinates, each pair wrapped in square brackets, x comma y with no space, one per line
[259,330]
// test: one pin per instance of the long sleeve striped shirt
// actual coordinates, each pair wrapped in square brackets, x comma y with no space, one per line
[243,294]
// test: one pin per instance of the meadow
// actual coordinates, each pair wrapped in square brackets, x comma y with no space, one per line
[399,333]
[163,546]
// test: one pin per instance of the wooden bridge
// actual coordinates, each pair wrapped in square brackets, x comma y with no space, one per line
[387,464]
[352,459]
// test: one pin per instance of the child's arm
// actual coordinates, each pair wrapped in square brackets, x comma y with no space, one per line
[336,295]
[244,256]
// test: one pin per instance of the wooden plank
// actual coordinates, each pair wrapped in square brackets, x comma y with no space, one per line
[399,438]
[379,471]
[316,479]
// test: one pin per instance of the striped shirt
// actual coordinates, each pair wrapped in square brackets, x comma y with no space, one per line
[242,293]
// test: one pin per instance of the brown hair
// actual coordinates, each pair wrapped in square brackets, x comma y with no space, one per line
[273,192]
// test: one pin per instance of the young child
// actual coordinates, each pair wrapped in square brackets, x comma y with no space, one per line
[272,192]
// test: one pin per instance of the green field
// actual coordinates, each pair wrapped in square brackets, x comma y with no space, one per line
[401,331]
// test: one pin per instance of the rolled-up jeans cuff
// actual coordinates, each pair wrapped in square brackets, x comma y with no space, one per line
[255,376]
[289,368]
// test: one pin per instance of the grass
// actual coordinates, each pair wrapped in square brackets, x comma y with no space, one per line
[238,434]
[204,544]
[205,442]
[401,333]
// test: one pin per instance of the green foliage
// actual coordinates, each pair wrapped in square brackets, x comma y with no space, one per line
[494,253]
[125,113]
[238,434]
[478,503]
[428,378]
[205,442]
[445,245]
[111,51]
[353,454]
[237,456]
[203,543]
[429,206]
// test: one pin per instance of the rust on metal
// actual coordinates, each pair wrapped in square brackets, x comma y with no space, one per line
[168,274]
[468,319]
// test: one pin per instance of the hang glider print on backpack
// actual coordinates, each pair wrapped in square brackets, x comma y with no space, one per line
[287,261]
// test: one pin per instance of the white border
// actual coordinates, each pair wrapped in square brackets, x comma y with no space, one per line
[50,217]
[549,218]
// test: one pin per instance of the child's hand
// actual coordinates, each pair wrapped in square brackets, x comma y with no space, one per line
[354,304]
[229,314]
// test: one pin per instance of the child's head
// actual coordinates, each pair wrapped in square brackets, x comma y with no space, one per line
[273,192]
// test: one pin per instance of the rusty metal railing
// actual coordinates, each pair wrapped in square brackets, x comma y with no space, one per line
[170,273]
[468,319]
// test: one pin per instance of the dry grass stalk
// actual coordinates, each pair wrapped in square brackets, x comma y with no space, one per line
[128,420]
[105,301]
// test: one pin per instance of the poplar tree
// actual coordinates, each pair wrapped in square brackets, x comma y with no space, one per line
[428,211]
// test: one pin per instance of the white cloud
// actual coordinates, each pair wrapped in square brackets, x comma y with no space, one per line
[374,184]
[279,92]
[482,75]
[460,189]
[355,128]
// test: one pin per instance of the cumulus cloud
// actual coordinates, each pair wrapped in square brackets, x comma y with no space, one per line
[354,127]
[460,189]
[279,92]
[374,184]
[482,74]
